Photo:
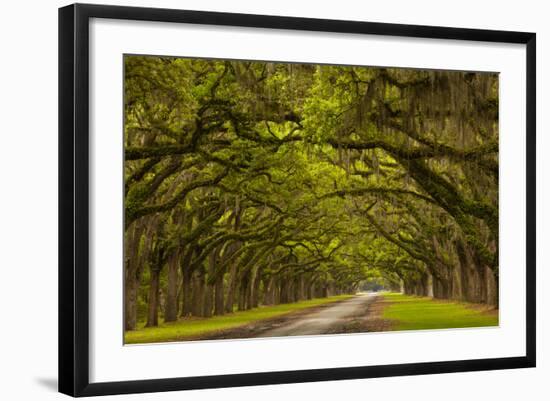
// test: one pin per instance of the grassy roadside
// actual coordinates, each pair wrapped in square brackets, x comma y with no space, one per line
[418,313]
[191,328]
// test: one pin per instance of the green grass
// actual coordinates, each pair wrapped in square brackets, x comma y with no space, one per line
[192,328]
[418,313]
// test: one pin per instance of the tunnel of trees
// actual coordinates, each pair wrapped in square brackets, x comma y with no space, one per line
[254,183]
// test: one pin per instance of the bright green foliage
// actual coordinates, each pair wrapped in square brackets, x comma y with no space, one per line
[419,313]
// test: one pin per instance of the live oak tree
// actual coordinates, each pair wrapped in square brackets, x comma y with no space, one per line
[250,183]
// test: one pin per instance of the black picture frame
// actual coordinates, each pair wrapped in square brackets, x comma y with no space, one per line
[74,198]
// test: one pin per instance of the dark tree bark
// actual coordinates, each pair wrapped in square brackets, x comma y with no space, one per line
[208,300]
[255,289]
[231,288]
[132,274]
[156,264]
[153,296]
[186,274]
[171,307]
[198,293]
[219,308]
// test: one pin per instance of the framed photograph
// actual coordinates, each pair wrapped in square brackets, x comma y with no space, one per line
[251,199]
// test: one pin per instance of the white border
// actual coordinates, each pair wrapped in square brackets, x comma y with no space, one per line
[111,361]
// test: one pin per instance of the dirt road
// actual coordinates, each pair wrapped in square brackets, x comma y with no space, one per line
[322,321]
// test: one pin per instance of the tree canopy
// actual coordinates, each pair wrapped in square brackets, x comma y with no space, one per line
[252,183]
